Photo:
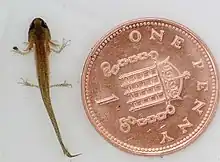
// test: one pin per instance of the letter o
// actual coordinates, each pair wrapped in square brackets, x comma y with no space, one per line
[133,38]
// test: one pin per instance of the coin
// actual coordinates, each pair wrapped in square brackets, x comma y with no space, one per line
[150,86]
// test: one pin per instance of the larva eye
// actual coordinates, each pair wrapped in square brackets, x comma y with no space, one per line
[43,24]
[31,26]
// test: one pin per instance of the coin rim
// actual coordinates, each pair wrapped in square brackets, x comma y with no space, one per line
[123,146]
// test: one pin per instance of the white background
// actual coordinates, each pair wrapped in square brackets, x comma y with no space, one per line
[26,134]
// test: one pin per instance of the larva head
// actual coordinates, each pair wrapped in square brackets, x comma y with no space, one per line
[38,30]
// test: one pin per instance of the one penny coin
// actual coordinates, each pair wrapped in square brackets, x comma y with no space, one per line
[150,86]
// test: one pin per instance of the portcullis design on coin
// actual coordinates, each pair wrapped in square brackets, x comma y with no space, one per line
[150,86]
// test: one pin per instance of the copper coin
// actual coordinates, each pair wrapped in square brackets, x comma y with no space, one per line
[150,86]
